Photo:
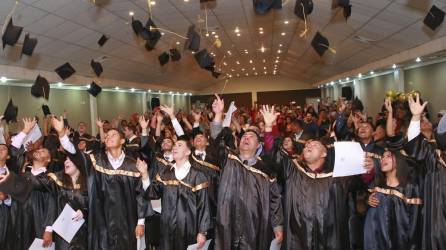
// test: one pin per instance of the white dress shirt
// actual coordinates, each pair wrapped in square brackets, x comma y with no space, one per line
[181,172]
[116,162]
[168,157]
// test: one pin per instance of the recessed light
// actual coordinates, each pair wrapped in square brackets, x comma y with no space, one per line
[132,89]
[243,69]
[152,2]
[116,88]
[237,62]
[59,84]
[264,61]
[255,73]
[3,79]
[186,1]
[394,66]
[286,22]
[213,32]
[178,43]
[283,33]
[149,90]
[254,68]
[216,36]
[359,75]
[261,32]
[262,49]
[236,30]
[372,72]
[224,63]
[170,92]
[247,74]
[347,79]
[260,28]
[162,33]
[279,51]
[265,72]
[207,34]
[280,45]
[418,59]
[264,67]
[250,61]
[238,34]
[332,83]
[131,13]
[232,70]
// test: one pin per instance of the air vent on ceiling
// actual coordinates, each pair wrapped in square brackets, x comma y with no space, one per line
[363,39]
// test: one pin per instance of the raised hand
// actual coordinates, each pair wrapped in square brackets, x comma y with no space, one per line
[168,110]
[341,105]
[142,168]
[139,231]
[143,122]
[218,105]
[388,105]
[159,117]
[58,125]
[99,123]
[269,115]
[201,239]
[416,107]
[28,124]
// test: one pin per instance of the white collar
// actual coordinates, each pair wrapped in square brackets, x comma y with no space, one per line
[181,173]
[37,171]
[168,157]
[116,163]
[3,169]
[200,152]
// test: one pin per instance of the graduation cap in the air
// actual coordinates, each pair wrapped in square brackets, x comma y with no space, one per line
[11,111]
[345,5]
[97,67]
[204,59]
[41,88]
[163,58]
[102,40]
[193,39]
[65,71]
[46,110]
[175,54]
[303,8]
[151,34]
[321,44]
[263,6]
[29,44]
[11,34]
[434,18]
[137,26]
[94,89]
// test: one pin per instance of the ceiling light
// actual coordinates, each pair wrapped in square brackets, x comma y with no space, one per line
[418,59]
[3,79]
[149,90]
[186,1]
[178,43]
[246,51]
[162,33]
[185,94]
[232,70]
[132,89]
[359,75]
[116,88]
[394,66]
[216,36]
[87,86]
[264,67]
[178,93]
[207,34]
[283,33]
[347,79]
[265,72]
[159,91]
[372,72]
[262,49]
[170,92]
[236,30]
[59,84]
[213,32]
[238,34]
[237,62]
[286,22]
[261,32]
[243,69]
[253,68]
[224,63]
[238,75]
[131,13]
[250,61]
[280,45]
[229,52]
[279,51]
[264,61]
[190,93]
[255,73]
[332,83]
[277,61]
[247,74]
[152,2]
[260,28]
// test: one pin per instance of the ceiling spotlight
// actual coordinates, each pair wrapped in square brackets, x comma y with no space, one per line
[359,75]
[250,61]
[255,73]
[132,89]
[216,36]
[131,13]
[190,94]
[170,92]
[254,68]
[283,33]
[332,83]
[265,72]
[238,34]
[279,51]
[162,33]
[224,63]
[116,88]
[372,72]
[149,90]
[243,69]
[247,74]
[261,32]
[213,32]
[246,51]
[264,61]
[87,86]
[232,70]
[238,63]
[186,1]
[207,34]
[277,61]
[286,22]
[178,43]
[59,84]
[3,79]
[280,45]
[347,79]
[394,66]
[238,75]
[236,30]
[260,28]
[152,2]
[264,67]
[262,49]
[229,52]
[418,59]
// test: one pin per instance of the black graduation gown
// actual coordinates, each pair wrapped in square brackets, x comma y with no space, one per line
[77,199]
[249,201]
[115,203]
[395,223]
[434,191]
[132,147]
[5,229]
[185,207]
[315,208]
[30,218]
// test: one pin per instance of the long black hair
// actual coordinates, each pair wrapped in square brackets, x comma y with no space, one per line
[79,161]
[403,173]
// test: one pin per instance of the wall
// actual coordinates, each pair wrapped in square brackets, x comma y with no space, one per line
[285,97]
[256,84]
[430,81]
[240,99]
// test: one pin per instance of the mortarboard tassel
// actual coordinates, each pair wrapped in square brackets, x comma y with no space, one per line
[304,33]
[329,48]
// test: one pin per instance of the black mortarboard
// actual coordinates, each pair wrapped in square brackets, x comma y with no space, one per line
[339,3]
[46,110]
[41,88]
[163,58]
[65,71]
[97,67]
[434,18]
[151,34]
[11,111]
[94,89]
[102,40]
[204,59]
[263,6]
[303,8]
[29,44]
[193,39]
[347,11]
[154,102]
[175,54]
[320,44]
[12,34]
[137,26]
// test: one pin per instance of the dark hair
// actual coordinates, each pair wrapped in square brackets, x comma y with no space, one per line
[82,180]
[402,171]
[121,134]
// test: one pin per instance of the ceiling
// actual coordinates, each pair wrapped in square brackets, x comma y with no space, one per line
[68,30]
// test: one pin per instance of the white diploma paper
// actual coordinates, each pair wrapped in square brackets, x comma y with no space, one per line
[65,226]
[349,159]
[37,245]
[156,205]
[205,246]
[141,243]
[227,121]
[33,135]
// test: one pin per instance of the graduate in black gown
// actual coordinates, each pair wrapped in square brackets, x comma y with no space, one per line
[433,158]
[182,188]
[5,201]
[249,211]
[117,208]
[394,219]
[33,217]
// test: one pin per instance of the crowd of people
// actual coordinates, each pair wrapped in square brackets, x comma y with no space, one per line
[239,177]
